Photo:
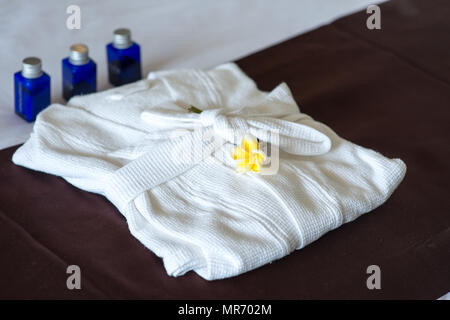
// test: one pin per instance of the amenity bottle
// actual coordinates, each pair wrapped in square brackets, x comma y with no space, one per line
[124,59]
[79,72]
[31,89]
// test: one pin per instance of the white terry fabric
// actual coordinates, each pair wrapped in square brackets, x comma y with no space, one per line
[203,216]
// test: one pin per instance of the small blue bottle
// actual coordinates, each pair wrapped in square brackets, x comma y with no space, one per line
[31,89]
[124,59]
[79,72]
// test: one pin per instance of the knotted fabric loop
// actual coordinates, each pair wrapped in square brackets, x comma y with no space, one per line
[209,117]
[226,127]
[155,168]
[294,138]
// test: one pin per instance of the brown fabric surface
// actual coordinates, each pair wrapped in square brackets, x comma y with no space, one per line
[387,89]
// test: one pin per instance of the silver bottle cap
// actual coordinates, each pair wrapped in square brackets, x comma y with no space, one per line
[79,54]
[31,68]
[122,38]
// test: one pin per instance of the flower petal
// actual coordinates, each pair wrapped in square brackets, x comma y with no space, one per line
[243,166]
[260,156]
[249,143]
[238,154]
[255,167]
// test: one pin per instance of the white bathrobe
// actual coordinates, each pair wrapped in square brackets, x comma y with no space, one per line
[201,214]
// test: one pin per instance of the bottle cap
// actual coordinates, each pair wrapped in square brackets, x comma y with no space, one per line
[122,38]
[31,68]
[79,54]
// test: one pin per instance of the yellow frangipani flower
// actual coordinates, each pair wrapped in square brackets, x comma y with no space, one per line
[249,155]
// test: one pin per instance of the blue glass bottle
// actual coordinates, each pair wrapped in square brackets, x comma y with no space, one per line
[79,72]
[31,89]
[124,59]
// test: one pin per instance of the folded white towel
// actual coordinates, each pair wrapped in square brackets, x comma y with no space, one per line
[201,215]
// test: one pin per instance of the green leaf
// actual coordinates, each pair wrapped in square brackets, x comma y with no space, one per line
[194,109]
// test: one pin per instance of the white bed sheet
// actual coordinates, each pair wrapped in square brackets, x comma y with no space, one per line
[172,34]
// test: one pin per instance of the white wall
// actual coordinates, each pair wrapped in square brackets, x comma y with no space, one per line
[172,34]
